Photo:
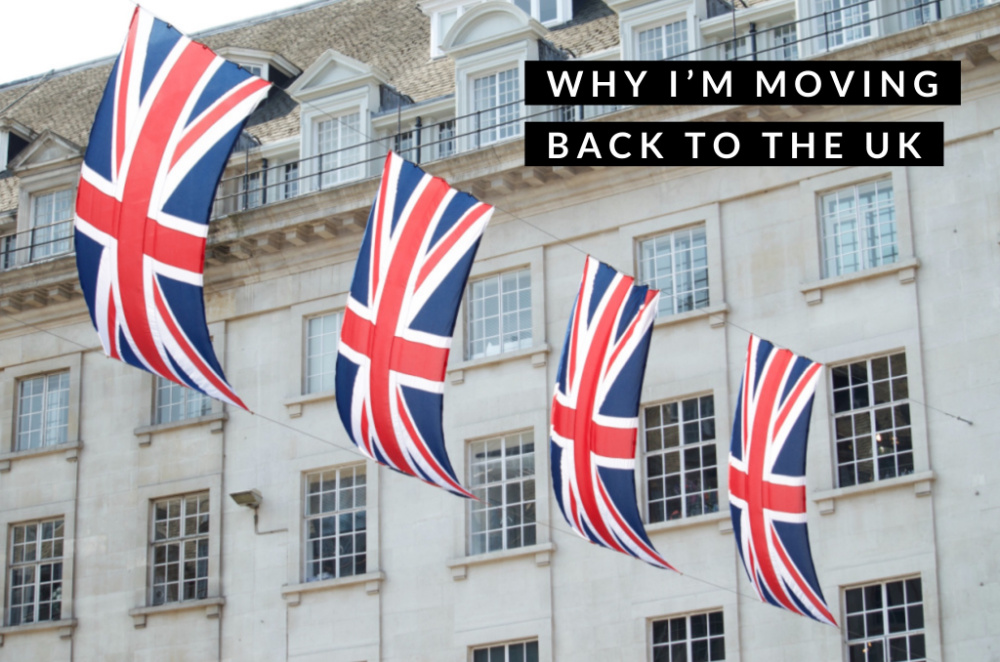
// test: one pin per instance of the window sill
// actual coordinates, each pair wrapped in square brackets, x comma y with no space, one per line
[372,581]
[71,449]
[827,499]
[215,422]
[541,552]
[716,316]
[65,627]
[722,519]
[538,354]
[906,269]
[212,607]
[294,405]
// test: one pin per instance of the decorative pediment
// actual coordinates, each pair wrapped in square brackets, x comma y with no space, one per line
[332,73]
[489,25]
[48,149]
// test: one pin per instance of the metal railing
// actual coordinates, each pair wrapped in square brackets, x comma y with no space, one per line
[36,244]
[264,183]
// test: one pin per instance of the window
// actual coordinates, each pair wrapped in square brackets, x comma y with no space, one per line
[42,411]
[785,42]
[664,42]
[495,102]
[735,49]
[858,228]
[52,223]
[322,337]
[34,592]
[697,637]
[175,402]
[179,549]
[522,651]
[499,314]
[885,621]
[335,526]
[446,139]
[250,191]
[920,12]
[681,474]
[502,475]
[872,420]
[676,263]
[843,21]
[339,155]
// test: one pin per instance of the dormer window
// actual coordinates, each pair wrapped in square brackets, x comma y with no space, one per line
[663,42]
[51,223]
[444,14]
[495,101]
[13,138]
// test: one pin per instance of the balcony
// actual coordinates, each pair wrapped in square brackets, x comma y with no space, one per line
[36,245]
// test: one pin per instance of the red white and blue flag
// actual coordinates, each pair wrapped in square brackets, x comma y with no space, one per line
[166,124]
[415,257]
[595,411]
[767,482]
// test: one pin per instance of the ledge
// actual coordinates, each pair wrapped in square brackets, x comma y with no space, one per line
[65,627]
[542,553]
[827,499]
[70,448]
[372,581]
[216,421]
[721,518]
[212,607]
[538,354]
[906,269]
[716,316]
[294,405]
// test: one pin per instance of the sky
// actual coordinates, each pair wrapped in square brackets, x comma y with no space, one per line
[41,35]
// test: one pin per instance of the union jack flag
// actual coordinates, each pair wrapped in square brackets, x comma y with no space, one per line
[595,411]
[421,238]
[767,482]
[163,132]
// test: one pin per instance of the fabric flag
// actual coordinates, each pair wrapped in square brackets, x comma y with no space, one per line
[164,129]
[421,238]
[595,411]
[767,482]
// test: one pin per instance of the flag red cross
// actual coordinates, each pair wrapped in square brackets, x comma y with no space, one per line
[752,485]
[128,220]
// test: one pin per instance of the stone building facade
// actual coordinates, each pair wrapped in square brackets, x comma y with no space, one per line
[121,540]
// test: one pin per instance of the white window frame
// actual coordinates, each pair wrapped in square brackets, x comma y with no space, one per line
[666,29]
[345,161]
[307,375]
[489,648]
[495,494]
[44,512]
[49,406]
[630,236]
[708,503]
[200,538]
[10,389]
[294,330]
[869,415]
[865,245]
[438,11]
[496,122]
[479,65]
[337,514]
[671,297]
[634,20]
[141,580]
[473,303]
[35,564]
[54,238]
[194,404]
[821,23]
[906,609]
[483,267]
[811,191]
[689,640]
